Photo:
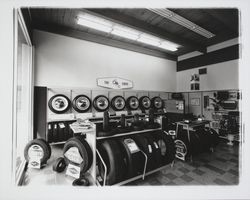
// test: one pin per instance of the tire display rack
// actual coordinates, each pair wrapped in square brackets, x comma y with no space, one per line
[46,120]
[45,117]
[141,176]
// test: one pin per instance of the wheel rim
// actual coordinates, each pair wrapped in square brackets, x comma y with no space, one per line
[102,103]
[60,103]
[82,103]
[119,103]
[133,103]
[158,102]
[146,102]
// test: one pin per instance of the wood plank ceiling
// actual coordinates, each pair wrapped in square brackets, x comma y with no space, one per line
[222,22]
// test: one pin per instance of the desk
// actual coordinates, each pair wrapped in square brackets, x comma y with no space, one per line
[191,125]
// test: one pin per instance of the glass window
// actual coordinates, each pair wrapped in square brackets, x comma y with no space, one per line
[22,94]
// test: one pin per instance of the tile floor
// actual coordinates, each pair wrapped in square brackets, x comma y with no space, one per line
[220,167]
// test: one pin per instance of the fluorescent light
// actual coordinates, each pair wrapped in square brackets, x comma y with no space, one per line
[168,46]
[148,39]
[125,32]
[182,21]
[95,23]
[98,23]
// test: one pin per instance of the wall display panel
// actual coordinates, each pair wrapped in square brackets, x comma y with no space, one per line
[175,106]
[154,94]
[59,91]
[195,103]
[164,95]
[141,94]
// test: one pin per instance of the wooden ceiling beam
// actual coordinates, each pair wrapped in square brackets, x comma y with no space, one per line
[229,19]
[146,27]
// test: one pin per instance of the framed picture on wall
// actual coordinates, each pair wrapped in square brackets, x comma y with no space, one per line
[195,102]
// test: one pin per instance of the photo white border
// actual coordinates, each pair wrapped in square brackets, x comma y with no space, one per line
[7,191]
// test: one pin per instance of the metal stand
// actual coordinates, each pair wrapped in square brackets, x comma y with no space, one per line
[105,167]
[145,164]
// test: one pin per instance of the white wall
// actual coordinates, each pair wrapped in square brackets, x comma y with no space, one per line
[219,76]
[65,61]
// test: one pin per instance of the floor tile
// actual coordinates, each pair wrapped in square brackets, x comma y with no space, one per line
[216,169]
[198,171]
[220,182]
[170,176]
[220,167]
[186,178]
[184,170]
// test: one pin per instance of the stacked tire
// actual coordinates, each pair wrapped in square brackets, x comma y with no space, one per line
[124,156]
[59,131]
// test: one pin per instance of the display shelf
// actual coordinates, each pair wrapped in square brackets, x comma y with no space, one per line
[128,133]
[137,177]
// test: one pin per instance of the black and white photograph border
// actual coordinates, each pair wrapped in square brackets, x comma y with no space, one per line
[222,173]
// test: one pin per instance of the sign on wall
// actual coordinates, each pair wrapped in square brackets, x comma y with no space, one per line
[114,83]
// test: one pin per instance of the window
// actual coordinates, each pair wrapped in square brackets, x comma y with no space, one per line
[22,127]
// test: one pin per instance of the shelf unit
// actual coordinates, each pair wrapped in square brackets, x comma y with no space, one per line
[138,176]
[128,133]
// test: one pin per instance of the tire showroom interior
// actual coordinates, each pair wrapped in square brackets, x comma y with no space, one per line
[127,96]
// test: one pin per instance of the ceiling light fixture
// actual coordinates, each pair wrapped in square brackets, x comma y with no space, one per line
[98,23]
[125,32]
[182,21]
[101,26]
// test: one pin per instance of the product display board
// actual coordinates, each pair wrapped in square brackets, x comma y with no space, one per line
[175,106]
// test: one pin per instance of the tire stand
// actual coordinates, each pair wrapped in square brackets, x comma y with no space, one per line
[105,169]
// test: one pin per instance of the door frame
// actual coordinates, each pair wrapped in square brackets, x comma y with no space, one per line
[18,174]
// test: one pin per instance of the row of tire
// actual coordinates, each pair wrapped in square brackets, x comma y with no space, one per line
[59,131]
[124,156]
[60,103]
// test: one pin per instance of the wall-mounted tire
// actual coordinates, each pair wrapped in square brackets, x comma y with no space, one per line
[132,103]
[59,104]
[59,165]
[144,103]
[157,103]
[81,103]
[101,103]
[84,149]
[39,148]
[118,103]
[113,158]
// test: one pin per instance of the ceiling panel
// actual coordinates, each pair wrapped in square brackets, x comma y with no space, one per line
[222,22]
